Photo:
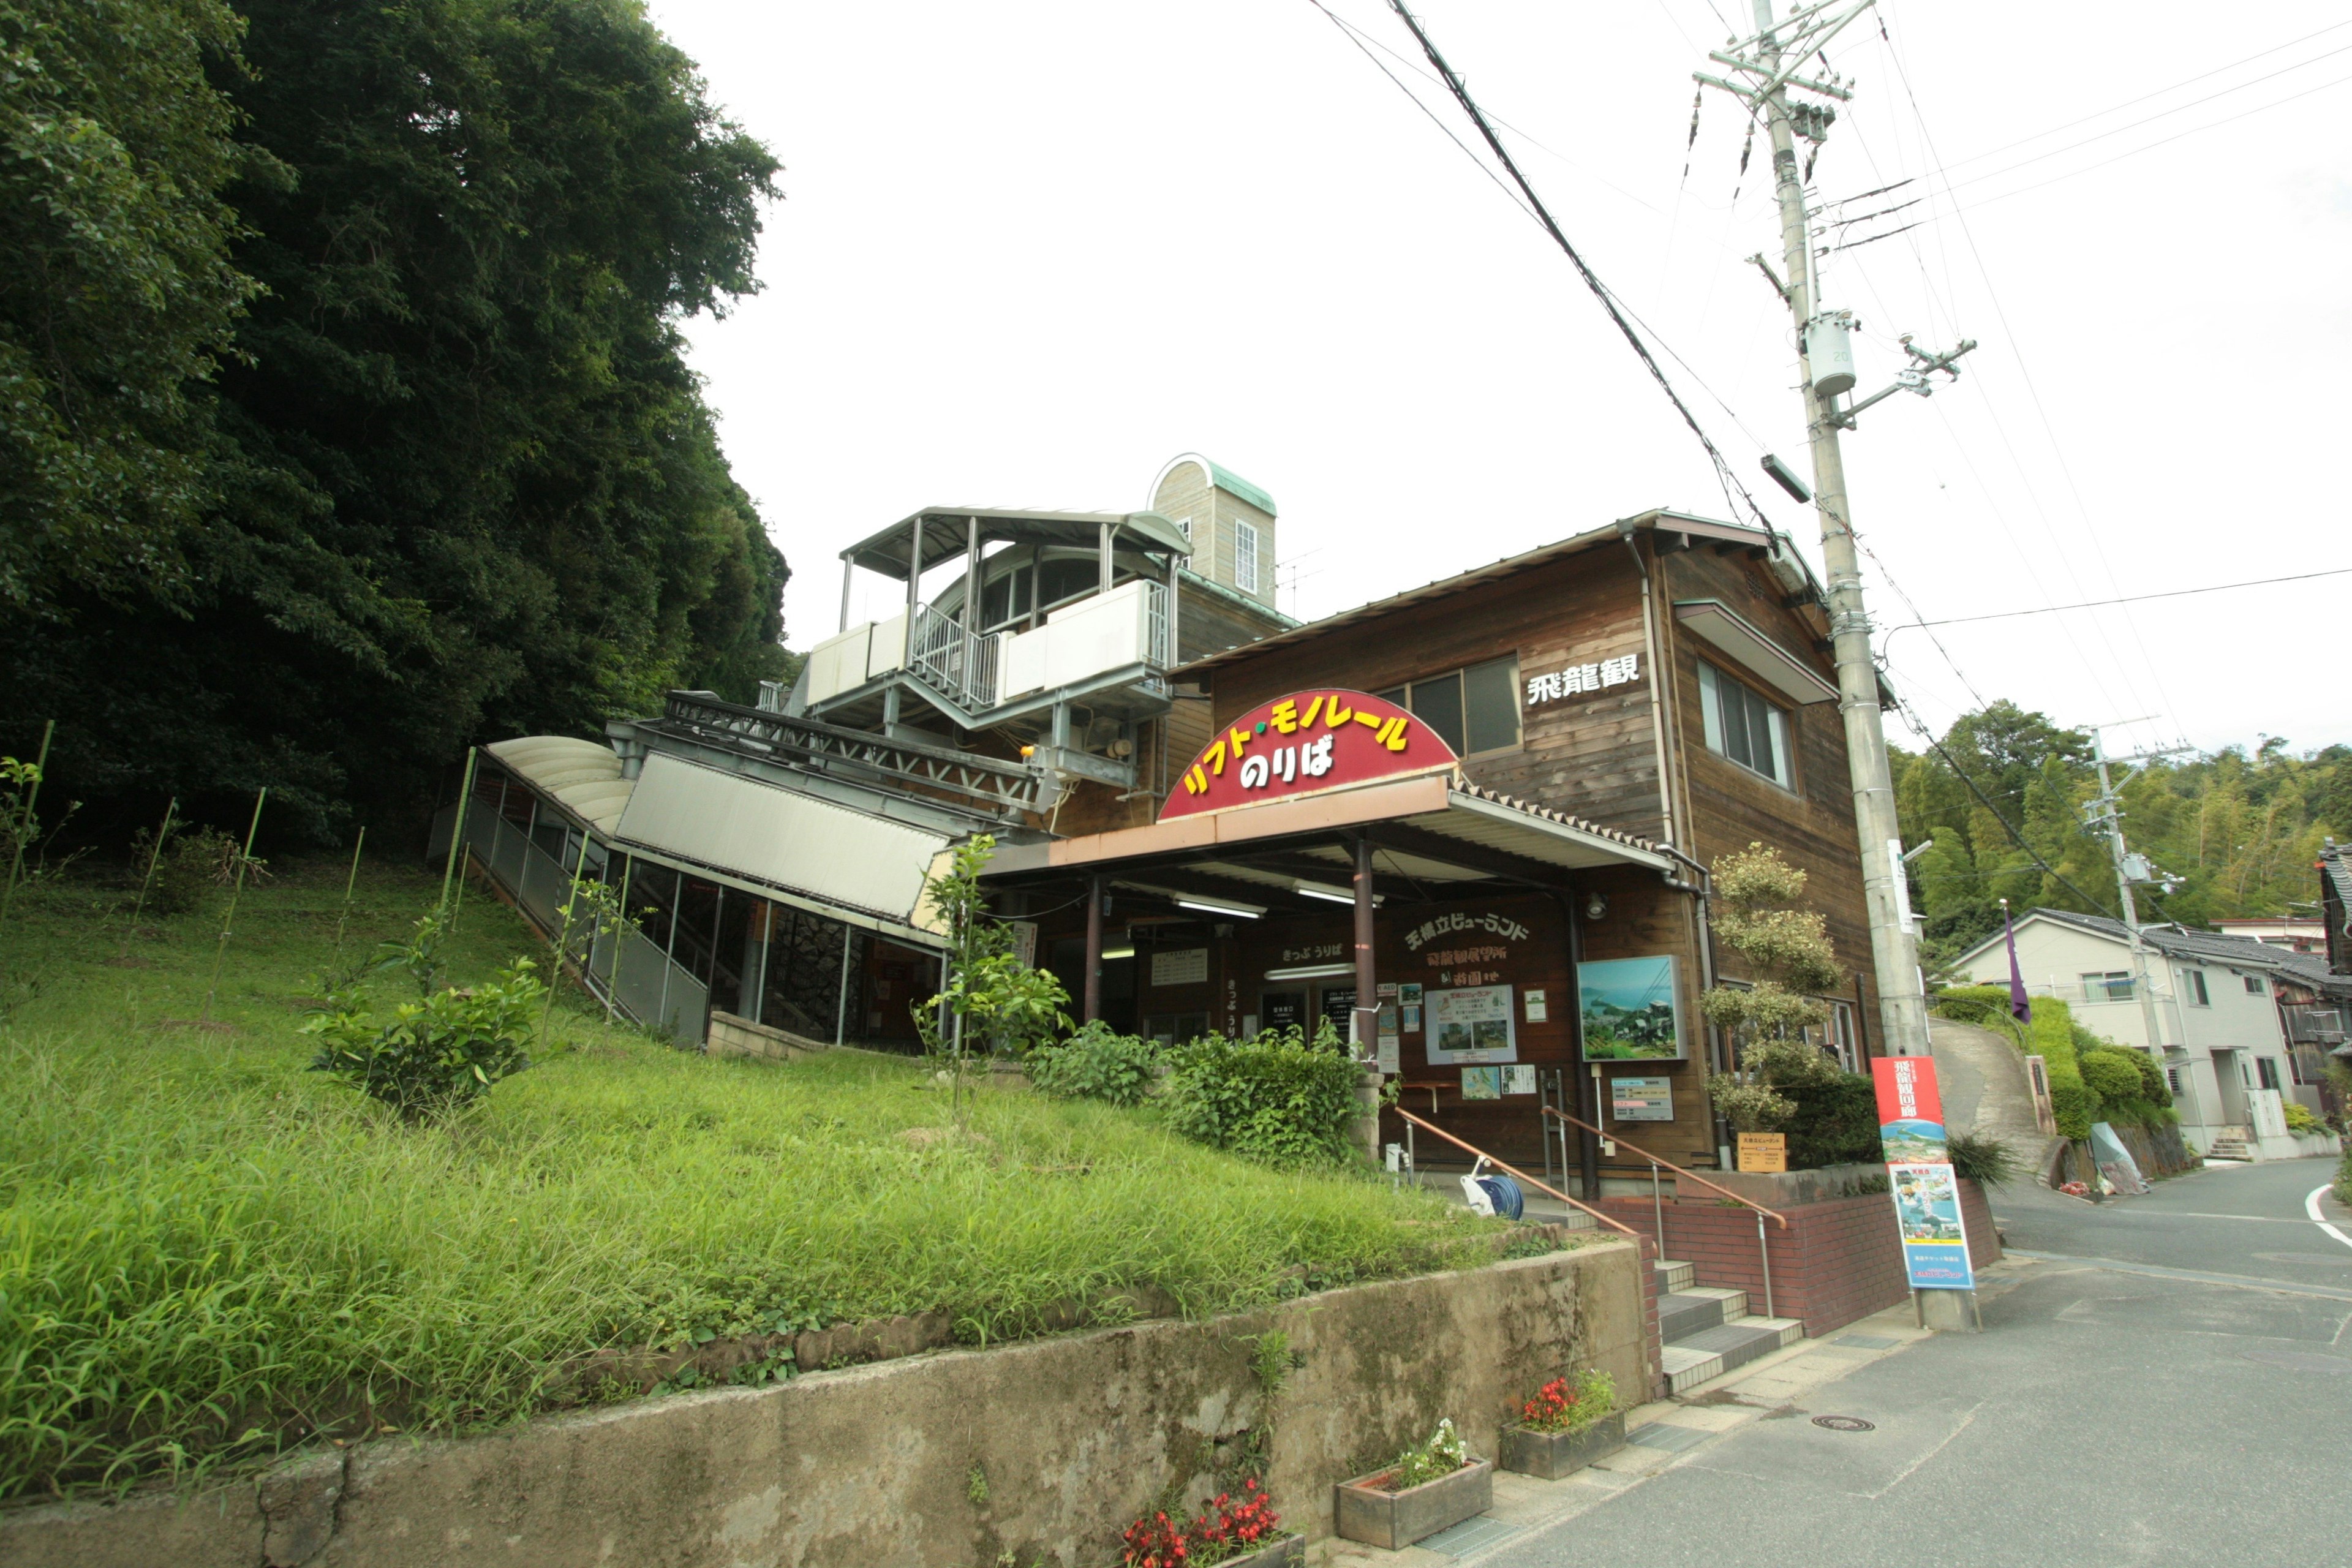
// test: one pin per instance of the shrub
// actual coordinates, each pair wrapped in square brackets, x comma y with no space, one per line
[2299,1118]
[195,868]
[1563,1406]
[1276,1098]
[1097,1063]
[1988,1162]
[2110,1076]
[438,1052]
[1833,1120]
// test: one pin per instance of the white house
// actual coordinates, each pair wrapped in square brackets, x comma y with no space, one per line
[2222,1041]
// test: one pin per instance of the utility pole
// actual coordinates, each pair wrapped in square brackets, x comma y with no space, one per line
[1763,69]
[2105,812]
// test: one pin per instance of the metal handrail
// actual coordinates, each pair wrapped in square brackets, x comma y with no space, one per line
[1658,1203]
[1516,1173]
[1779,1217]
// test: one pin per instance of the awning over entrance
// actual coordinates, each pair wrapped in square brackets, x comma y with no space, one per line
[1429,835]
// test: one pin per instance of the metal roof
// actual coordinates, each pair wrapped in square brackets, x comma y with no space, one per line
[946,532]
[1462,583]
[1226,479]
[2195,946]
[582,776]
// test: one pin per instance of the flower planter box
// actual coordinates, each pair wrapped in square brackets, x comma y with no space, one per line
[1361,1511]
[1282,1552]
[1548,1456]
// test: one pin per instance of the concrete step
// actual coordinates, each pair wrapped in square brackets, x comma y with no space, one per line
[1710,1353]
[1672,1276]
[1682,1313]
[2228,1149]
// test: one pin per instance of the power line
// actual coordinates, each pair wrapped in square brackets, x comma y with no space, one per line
[2127,599]
[1724,475]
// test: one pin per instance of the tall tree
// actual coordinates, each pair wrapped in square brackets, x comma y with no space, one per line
[116,293]
[466,485]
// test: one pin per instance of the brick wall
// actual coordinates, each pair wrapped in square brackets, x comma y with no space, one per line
[1836,1261]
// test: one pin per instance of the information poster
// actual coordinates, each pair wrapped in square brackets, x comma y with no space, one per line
[1474,1024]
[1536,1011]
[1642,1098]
[1337,1006]
[1482,1083]
[1920,1170]
[1283,1009]
[1631,1008]
[1519,1079]
[1763,1153]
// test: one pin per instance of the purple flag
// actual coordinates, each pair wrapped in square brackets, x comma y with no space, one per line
[2020,1006]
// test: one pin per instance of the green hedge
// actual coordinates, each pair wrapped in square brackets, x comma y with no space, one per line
[1836,1122]
[2091,1079]
[1277,1097]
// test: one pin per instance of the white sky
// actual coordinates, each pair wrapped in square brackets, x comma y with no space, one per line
[1030,251]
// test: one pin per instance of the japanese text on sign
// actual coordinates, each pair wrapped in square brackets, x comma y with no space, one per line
[1492,924]
[1311,741]
[1311,955]
[1580,677]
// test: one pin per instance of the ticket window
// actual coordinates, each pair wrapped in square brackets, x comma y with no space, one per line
[1279,1010]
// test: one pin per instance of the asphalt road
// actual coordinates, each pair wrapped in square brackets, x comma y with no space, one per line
[2112,1413]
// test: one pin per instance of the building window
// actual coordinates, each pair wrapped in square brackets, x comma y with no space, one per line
[1475,710]
[2192,987]
[1742,726]
[2172,1082]
[2253,985]
[1064,577]
[2115,985]
[1245,558]
[2266,1072]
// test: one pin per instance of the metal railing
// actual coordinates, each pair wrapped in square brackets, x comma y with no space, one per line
[1009,789]
[621,969]
[1155,651]
[1658,1205]
[1515,1173]
[963,664]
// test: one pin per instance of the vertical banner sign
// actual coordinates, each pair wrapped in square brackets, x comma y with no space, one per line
[1920,1170]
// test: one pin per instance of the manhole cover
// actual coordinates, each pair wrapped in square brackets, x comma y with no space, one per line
[1845,1424]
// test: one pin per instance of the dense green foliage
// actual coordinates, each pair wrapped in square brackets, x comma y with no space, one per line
[1833,1121]
[117,292]
[196,1229]
[2237,831]
[1098,1063]
[452,476]
[1280,1097]
[437,1054]
[2078,1061]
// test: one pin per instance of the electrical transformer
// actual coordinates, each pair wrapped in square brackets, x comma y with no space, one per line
[1828,352]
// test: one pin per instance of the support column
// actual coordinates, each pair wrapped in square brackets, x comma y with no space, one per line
[972,575]
[1588,1101]
[1103,558]
[914,591]
[846,568]
[1367,1015]
[841,1013]
[1175,648]
[1092,1007]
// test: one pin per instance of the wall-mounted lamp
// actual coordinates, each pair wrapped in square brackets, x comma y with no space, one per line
[1595,906]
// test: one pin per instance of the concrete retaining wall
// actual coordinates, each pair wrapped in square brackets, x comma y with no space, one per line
[1046,1449]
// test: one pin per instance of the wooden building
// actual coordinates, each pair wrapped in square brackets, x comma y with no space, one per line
[1539,760]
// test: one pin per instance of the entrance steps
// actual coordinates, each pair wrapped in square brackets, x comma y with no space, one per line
[2227,1148]
[1708,1332]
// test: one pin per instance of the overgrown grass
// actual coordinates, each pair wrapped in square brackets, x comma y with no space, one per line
[208,1251]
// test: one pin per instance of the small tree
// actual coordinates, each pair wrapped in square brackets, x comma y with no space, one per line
[1790,956]
[996,1002]
[439,1052]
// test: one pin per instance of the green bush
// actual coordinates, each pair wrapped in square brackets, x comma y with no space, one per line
[196,868]
[2111,1077]
[1276,1098]
[2299,1118]
[436,1053]
[1097,1063]
[1835,1121]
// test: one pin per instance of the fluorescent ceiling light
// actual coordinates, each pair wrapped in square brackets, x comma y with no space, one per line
[1312,972]
[1331,894]
[1213,906]
[1110,953]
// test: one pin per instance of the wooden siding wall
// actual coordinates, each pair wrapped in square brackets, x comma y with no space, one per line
[1727,807]
[1590,754]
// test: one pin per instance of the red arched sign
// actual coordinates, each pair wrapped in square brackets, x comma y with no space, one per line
[1304,744]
